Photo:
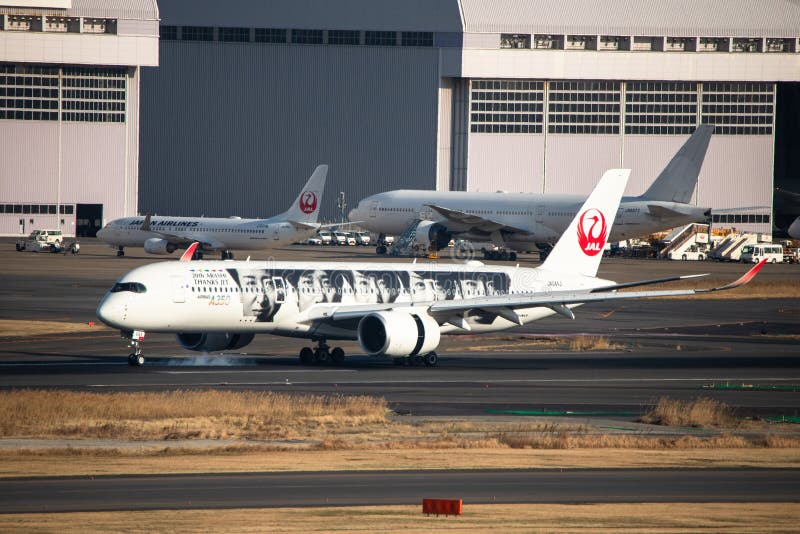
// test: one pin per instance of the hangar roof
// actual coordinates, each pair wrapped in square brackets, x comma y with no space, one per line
[677,18]
[119,9]
[709,18]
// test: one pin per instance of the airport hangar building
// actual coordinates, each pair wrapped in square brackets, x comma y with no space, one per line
[70,74]
[481,95]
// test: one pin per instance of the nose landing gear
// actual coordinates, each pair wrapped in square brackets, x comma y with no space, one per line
[135,339]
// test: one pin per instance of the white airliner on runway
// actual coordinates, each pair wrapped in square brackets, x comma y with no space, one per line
[164,235]
[395,310]
[518,220]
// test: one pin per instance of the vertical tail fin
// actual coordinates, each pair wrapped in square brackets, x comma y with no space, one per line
[677,181]
[580,248]
[305,208]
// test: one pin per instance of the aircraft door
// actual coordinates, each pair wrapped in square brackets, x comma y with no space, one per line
[539,214]
[178,292]
[280,289]
[373,209]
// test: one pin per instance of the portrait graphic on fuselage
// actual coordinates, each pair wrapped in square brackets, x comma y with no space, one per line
[265,291]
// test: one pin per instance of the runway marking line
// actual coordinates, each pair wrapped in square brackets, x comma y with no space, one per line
[510,381]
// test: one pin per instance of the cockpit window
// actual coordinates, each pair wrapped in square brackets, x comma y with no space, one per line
[133,287]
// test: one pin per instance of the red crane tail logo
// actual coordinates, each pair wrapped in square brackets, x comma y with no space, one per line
[308,202]
[592,232]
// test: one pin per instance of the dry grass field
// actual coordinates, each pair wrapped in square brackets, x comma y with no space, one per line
[147,432]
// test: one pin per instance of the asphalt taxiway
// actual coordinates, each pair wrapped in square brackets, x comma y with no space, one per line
[744,352]
[247,490]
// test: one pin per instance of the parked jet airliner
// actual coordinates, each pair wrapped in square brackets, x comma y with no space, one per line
[518,220]
[395,310]
[164,235]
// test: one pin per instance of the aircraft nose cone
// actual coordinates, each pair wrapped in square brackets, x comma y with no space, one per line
[110,312]
[353,215]
[101,233]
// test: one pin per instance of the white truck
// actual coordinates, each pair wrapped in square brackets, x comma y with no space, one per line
[40,241]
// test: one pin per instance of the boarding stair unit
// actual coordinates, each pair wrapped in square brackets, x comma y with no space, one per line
[730,248]
[686,242]
[404,244]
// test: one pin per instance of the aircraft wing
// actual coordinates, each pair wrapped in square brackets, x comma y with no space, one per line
[469,222]
[452,311]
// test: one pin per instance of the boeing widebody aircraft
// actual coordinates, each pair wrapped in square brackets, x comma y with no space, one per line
[164,235]
[393,310]
[518,221]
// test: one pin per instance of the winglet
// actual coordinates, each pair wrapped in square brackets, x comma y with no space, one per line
[187,256]
[146,224]
[744,279]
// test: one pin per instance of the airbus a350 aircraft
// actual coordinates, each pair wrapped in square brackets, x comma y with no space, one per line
[395,310]
[164,235]
[519,220]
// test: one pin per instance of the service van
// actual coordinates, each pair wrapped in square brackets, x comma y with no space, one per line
[759,251]
[40,240]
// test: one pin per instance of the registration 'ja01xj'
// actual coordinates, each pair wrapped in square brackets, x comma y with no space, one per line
[393,310]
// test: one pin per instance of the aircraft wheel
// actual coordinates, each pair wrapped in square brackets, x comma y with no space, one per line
[380,249]
[337,356]
[322,356]
[399,362]
[306,356]
[135,360]
[416,361]
[431,359]
[512,256]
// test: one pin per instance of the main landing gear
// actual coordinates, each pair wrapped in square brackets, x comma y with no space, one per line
[120,251]
[429,360]
[136,338]
[322,355]
[227,254]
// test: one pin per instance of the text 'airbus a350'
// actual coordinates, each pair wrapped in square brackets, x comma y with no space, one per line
[165,235]
[393,310]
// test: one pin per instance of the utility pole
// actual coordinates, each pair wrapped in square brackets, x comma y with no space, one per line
[342,205]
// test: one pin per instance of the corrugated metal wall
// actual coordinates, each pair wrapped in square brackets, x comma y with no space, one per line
[92,168]
[575,163]
[737,171]
[505,162]
[237,128]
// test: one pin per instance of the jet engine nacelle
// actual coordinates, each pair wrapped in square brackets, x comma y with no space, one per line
[398,334]
[212,342]
[156,245]
[432,235]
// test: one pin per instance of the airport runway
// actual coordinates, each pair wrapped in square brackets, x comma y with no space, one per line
[262,490]
[743,352]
